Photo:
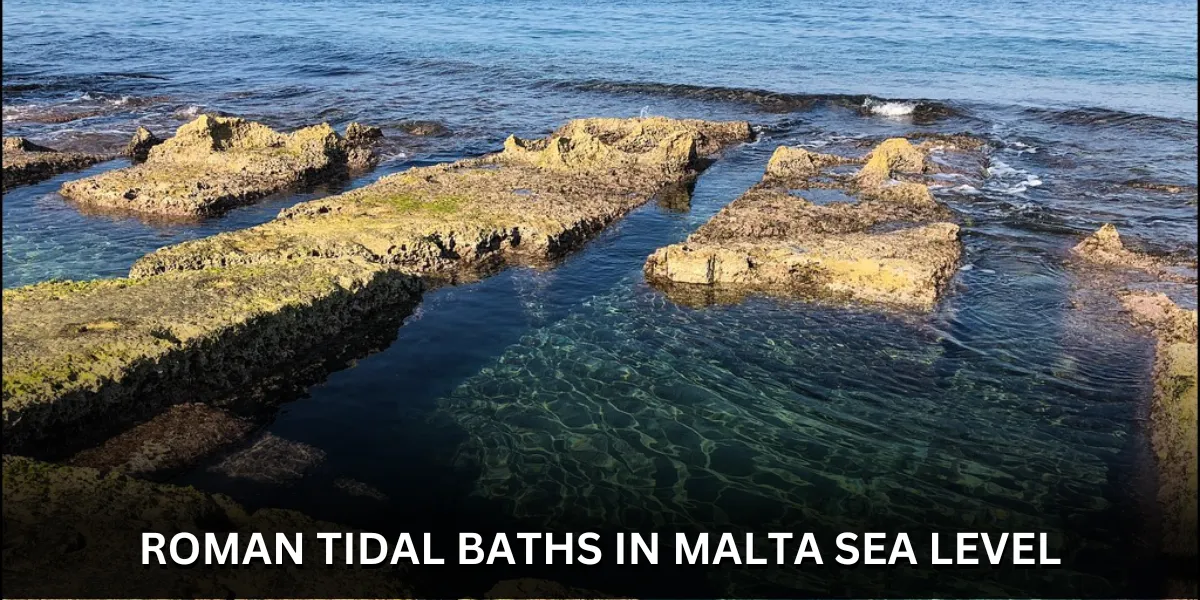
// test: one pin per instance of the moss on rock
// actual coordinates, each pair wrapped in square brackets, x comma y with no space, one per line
[26,162]
[216,163]
[80,354]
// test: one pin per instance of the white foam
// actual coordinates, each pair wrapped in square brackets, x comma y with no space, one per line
[1008,180]
[889,108]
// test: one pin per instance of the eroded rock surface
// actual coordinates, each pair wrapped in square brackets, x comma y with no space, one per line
[52,512]
[216,163]
[875,235]
[1105,248]
[534,201]
[1173,415]
[26,162]
[79,354]
[138,148]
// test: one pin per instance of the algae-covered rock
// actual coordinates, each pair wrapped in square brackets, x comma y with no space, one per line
[26,162]
[72,532]
[78,355]
[138,148]
[880,241]
[214,164]
[1173,416]
[534,201]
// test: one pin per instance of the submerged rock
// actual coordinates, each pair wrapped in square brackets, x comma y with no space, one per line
[72,532]
[214,164]
[882,241]
[532,202]
[79,356]
[138,148]
[174,440]
[26,162]
[1173,416]
[423,128]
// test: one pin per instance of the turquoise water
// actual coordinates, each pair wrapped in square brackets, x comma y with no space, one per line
[580,397]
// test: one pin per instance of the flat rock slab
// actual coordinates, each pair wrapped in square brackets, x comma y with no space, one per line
[214,164]
[813,229]
[534,201]
[77,354]
[26,162]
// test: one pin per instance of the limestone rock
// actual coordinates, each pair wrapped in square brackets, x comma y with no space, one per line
[26,162]
[81,355]
[138,148]
[214,164]
[532,202]
[883,241]
[1173,416]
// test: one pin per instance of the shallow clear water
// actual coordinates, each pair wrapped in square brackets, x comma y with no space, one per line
[579,394]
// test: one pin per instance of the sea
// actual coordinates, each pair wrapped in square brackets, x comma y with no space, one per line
[580,394]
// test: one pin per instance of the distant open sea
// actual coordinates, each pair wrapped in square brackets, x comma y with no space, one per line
[580,392]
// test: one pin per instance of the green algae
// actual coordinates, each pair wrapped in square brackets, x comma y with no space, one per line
[80,353]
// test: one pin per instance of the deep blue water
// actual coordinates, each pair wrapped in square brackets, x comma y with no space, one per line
[579,392]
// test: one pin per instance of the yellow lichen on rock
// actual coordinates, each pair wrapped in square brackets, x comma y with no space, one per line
[213,164]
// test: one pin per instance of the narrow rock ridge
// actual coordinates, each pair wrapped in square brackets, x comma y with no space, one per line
[809,229]
[1125,273]
[214,164]
[1173,415]
[26,162]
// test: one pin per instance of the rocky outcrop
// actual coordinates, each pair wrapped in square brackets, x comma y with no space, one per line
[26,162]
[532,202]
[1173,416]
[881,240]
[207,320]
[1105,248]
[80,356]
[54,512]
[216,163]
[138,148]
